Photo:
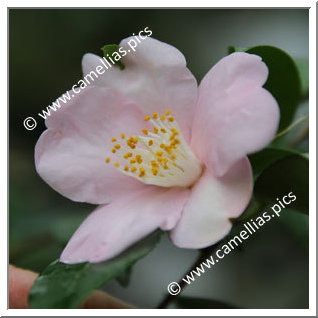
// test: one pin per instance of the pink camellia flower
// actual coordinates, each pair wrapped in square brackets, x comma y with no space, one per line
[154,150]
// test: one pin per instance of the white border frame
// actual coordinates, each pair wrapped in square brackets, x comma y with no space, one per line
[312,154]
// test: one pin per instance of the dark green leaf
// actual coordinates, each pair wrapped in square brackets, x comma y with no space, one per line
[200,303]
[124,278]
[283,79]
[264,158]
[66,286]
[253,208]
[298,224]
[110,52]
[289,174]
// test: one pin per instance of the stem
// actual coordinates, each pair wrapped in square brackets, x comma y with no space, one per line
[204,253]
[302,135]
[291,126]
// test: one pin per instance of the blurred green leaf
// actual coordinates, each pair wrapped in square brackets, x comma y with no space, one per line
[264,158]
[66,286]
[297,122]
[291,173]
[109,50]
[36,259]
[200,303]
[63,228]
[303,68]
[296,135]
[231,49]
[283,79]
[253,208]
[298,224]
[124,278]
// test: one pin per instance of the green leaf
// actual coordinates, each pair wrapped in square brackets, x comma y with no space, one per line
[111,53]
[253,208]
[67,286]
[200,303]
[124,278]
[63,228]
[289,174]
[231,49]
[303,69]
[298,224]
[264,158]
[283,79]
[293,125]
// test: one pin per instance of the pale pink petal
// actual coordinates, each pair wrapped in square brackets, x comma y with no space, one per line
[212,202]
[155,77]
[110,229]
[70,155]
[235,116]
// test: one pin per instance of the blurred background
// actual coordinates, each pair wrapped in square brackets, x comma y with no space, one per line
[46,48]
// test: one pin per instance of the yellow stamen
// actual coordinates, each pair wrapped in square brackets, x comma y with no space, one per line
[139,159]
[156,155]
[141,172]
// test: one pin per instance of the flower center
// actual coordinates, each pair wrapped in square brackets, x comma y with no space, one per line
[159,156]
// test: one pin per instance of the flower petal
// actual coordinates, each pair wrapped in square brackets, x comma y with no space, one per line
[112,228]
[70,155]
[205,219]
[155,77]
[235,116]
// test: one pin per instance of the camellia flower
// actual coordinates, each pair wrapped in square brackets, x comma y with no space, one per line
[154,150]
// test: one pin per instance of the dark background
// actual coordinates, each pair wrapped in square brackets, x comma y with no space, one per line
[45,52]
